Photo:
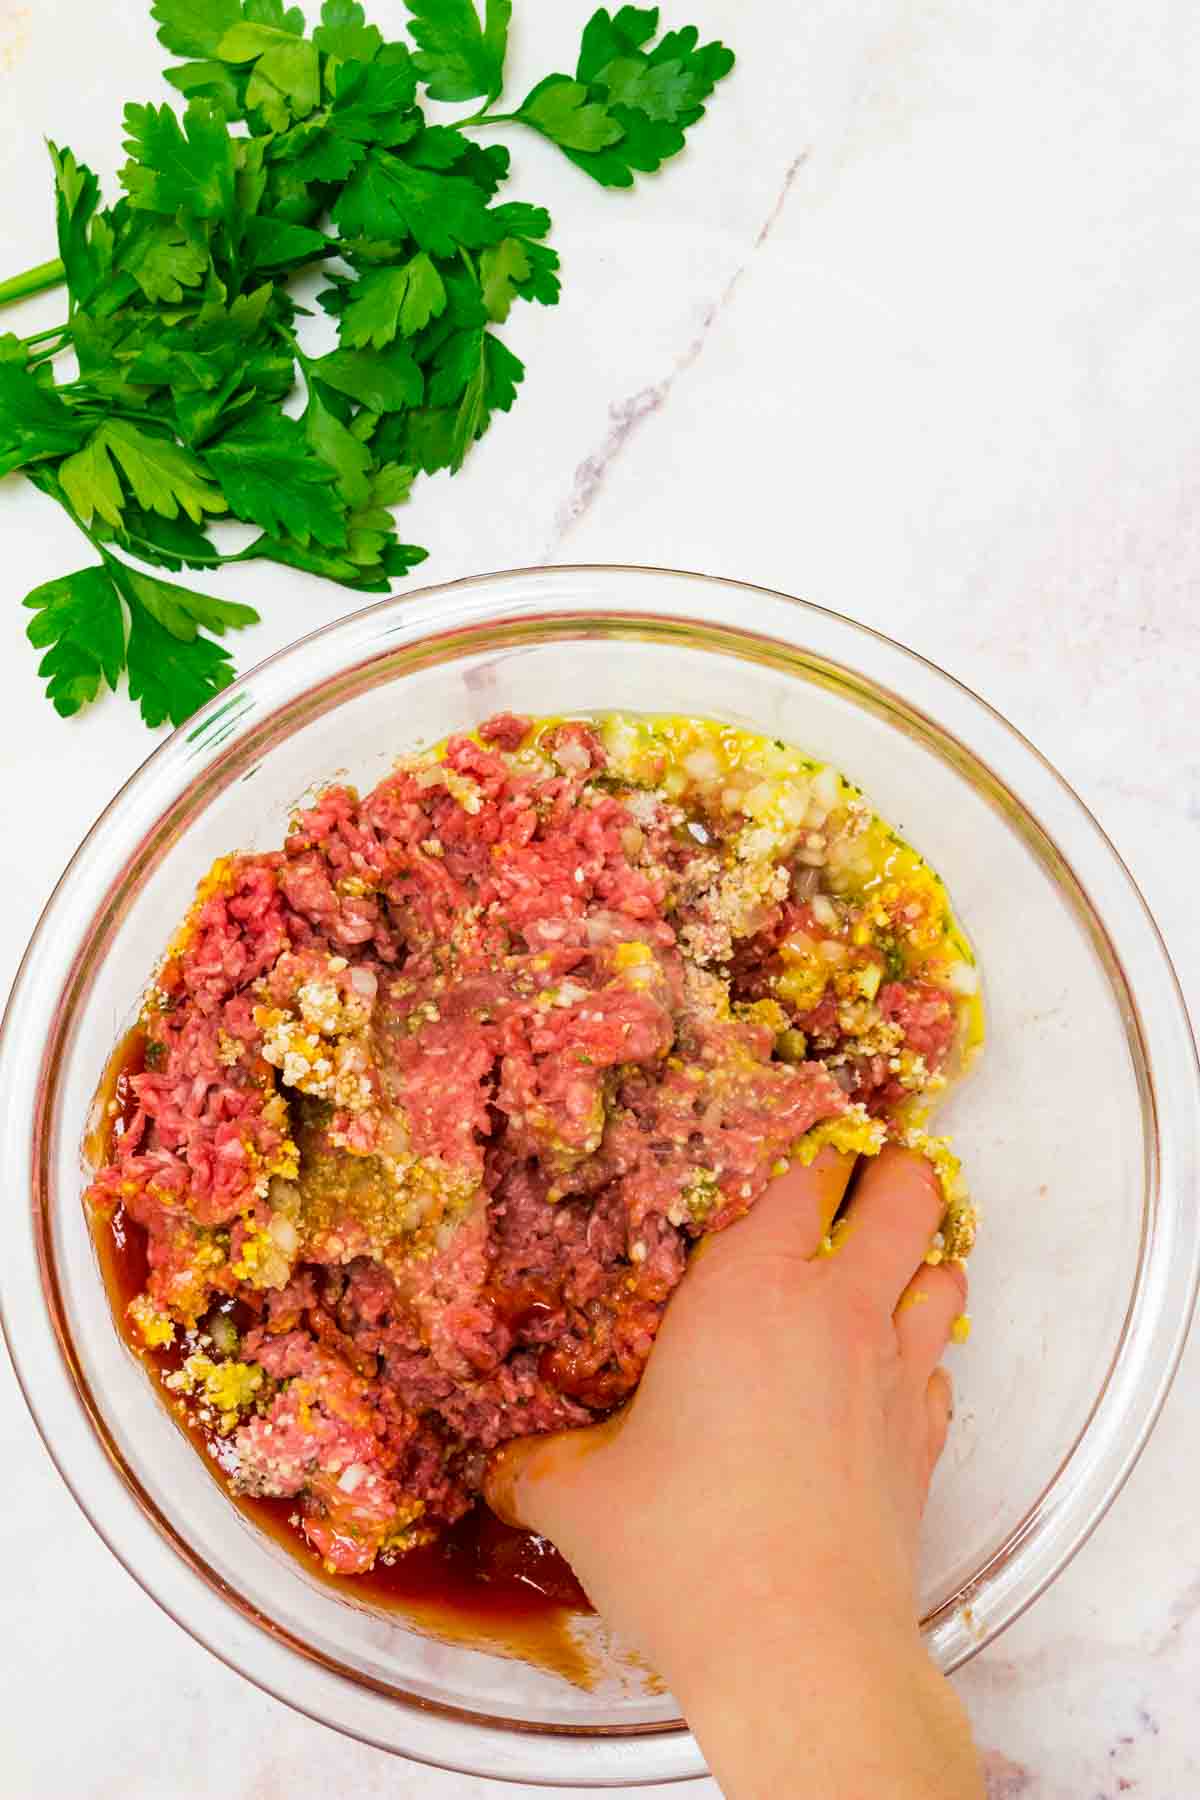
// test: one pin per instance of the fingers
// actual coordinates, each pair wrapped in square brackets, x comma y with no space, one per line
[830,1173]
[939,1410]
[527,1481]
[794,1213]
[894,1210]
[502,1482]
[927,1309]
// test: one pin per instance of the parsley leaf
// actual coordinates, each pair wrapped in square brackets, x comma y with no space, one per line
[174,169]
[194,27]
[178,610]
[91,483]
[372,103]
[439,147]
[478,371]
[338,449]
[273,12]
[381,380]
[424,437]
[370,567]
[518,267]
[370,100]
[560,109]
[164,477]
[266,468]
[169,543]
[344,32]
[286,83]
[162,259]
[77,196]
[503,268]
[634,104]
[605,37]
[214,81]
[458,58]
[388,197]
[383,302]
[663,90]
[34,422]
[279,244]
[79,617]
[170,678]
[79,621]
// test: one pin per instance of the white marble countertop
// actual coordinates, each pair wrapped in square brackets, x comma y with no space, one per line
[913,330]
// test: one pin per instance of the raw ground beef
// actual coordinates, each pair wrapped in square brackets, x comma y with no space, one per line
[437,1096]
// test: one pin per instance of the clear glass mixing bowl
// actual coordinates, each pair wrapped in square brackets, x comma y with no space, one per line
[1079,1126]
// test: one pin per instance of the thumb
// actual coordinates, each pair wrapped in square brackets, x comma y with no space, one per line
[543,1484]
[538,1483]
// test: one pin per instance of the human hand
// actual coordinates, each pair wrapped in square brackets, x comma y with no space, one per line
[750,1519]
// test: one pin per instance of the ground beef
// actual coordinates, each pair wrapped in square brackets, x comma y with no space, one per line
[437,1097]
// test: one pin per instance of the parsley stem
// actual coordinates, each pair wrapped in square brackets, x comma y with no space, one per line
[107,409]
[192,560]
[290,339]
[39,337]
[488,118]
[42,357]
[75,519]
[33,281]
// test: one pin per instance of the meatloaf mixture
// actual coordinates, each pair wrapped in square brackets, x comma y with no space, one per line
[437,1096]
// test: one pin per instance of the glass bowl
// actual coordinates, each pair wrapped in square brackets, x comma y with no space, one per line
[1078,1126]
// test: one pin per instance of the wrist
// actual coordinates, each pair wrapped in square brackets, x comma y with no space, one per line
[846,1712]
[753,1610]
[837,1699]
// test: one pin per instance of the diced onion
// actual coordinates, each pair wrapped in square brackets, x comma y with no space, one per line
[223,1333]
[826,788]
[961,978]
[702,765]
[572,755]
[285,1234]
[793,803]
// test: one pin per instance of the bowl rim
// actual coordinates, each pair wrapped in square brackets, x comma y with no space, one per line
[1141,1369]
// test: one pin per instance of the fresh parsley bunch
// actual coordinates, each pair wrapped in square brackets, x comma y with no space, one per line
[295,148]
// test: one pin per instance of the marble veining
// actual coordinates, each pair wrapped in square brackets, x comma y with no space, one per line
[628,414]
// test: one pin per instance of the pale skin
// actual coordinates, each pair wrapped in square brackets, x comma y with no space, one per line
[750,1519]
